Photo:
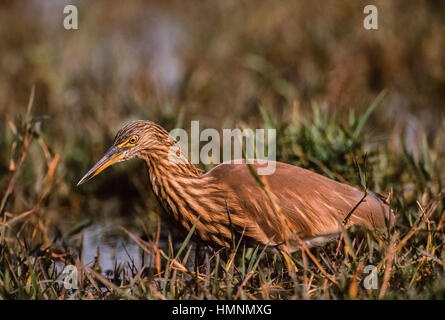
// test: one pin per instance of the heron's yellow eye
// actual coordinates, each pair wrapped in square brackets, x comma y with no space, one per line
[133,140]
[129,143]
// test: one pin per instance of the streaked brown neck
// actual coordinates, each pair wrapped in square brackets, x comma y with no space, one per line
[186,194]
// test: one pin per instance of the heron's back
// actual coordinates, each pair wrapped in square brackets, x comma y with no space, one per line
[296,200]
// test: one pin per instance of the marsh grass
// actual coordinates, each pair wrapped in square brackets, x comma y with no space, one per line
[410,258]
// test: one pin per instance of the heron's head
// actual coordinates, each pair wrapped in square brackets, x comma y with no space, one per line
[131,141]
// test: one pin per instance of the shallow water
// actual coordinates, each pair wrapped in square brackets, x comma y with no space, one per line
[102,241]
[112,250]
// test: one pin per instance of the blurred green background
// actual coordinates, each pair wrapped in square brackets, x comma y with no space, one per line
[224,63]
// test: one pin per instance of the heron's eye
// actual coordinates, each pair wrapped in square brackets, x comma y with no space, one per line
[133,140]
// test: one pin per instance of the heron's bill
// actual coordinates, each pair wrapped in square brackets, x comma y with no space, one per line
[113,155]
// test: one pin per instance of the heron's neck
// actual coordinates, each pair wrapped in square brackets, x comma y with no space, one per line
[161,163]
[185,193]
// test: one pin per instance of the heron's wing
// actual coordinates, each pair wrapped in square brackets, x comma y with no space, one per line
[298,201]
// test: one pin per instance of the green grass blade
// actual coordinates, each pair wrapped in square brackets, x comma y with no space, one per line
[187,239]
[368,112]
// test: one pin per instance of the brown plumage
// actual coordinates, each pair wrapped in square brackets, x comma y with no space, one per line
[228,200]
